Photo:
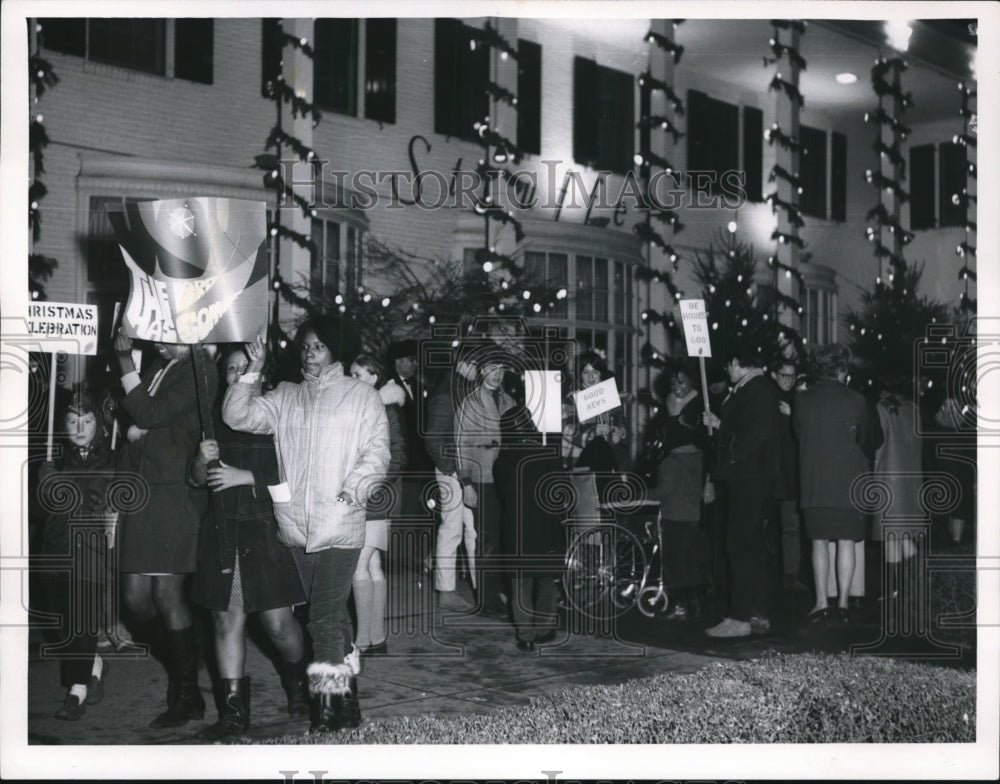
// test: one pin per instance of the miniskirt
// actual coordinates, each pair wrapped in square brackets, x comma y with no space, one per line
[377,534]
[821,522]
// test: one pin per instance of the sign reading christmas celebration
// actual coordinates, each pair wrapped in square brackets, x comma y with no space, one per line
[198,269]
[64,326]
[695,321]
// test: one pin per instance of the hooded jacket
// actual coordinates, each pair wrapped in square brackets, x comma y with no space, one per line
[332,436]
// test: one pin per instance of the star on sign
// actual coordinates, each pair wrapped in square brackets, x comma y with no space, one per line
[182,222]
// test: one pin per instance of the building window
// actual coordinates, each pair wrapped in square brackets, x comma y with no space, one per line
[753,153]
[713,137]
[933,187]
[838,177]
[271,44]
[821,316]
[336,263]
[380,70]
[603,117]
[952,177]
[136,44]
[812,172]
[553,270]
[324,273]
[461,69]
[335,65]
[529,97]
[193,45]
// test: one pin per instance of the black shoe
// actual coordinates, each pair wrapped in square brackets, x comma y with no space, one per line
[296,684]
[376,650]
[525,646]
[856,603]
[184,698]
[818,616]
[234,712]
[843,615]
[71,710]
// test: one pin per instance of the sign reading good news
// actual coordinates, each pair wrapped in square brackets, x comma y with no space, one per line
[695,322]
[596,399]
[198,269]
[63,326]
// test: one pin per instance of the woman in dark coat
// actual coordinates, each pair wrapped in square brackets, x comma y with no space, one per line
[531,533]
[834,426]
[678,434]
[243,568]
[159,542]
[369,587]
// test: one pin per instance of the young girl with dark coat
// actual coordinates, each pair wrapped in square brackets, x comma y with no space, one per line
[75,543]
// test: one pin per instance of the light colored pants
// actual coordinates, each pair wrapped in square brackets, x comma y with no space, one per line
[457,524]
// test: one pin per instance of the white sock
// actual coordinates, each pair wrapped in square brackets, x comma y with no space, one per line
[79,690]
[98,668]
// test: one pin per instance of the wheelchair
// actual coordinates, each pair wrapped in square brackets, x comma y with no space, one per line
[614,557]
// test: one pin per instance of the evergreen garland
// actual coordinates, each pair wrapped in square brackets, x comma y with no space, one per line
[41,77]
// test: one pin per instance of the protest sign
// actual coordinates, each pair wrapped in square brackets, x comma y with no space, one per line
[63,326]
[198,269]
[695,322]
[595,400]
[543,398]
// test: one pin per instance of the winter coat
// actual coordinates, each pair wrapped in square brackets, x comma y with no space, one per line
[529,527]
[583,448]
[788,488]
[247,529]
[162,536]
[332,436]
[899,461]
[747,444]
[833,424]
[477,434]
[385,503]
[417,458]
[73,490]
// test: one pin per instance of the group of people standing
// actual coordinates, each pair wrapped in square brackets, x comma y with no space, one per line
[304,478]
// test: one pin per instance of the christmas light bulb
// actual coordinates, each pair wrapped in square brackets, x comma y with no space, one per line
[367,298]
[715,325]
[431,319]
[342,309]
[385,302]
[283,343]
[338,299]
[526,294]
[537,308]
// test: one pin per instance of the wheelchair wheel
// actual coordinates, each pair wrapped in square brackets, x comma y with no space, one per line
[653,600]
[604,571]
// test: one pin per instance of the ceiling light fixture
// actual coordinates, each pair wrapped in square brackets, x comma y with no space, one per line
[846,78]
[897,31]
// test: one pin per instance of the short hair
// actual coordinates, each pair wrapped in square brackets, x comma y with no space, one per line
[373,366]
[327,331]
[687,367]
[781,362]
[746,353]
[831,360]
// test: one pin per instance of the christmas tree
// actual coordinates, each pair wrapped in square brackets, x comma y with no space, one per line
[741,311]
[885,330]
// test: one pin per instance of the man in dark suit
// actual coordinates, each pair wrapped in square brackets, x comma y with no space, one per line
[747,460]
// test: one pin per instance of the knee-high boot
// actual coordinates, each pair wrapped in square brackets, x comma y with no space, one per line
[234,711]
[184,697]
[296,684]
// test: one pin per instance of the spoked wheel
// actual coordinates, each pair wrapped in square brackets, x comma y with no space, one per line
[605,567]
[653,600]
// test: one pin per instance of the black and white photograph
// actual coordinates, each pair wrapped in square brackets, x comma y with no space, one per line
[547,391]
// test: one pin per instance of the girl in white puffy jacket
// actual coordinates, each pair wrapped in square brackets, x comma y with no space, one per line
[332,439]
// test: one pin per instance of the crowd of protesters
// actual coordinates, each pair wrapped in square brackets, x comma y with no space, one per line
[286,497]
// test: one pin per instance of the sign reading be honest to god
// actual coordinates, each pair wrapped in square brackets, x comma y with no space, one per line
[596,399]
[695,322]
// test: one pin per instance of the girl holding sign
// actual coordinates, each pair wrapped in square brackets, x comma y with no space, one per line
[598,443]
